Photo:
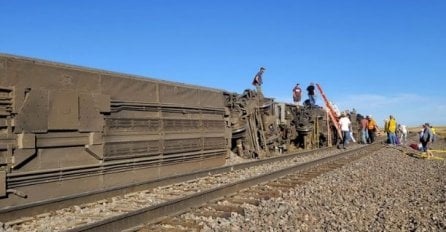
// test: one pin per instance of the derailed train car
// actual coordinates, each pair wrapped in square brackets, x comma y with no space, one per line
[67,130]
[262,127]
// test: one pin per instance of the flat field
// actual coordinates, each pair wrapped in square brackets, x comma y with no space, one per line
[441,131]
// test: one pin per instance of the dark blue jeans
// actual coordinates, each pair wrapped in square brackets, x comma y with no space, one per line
[312,100]
[345,138]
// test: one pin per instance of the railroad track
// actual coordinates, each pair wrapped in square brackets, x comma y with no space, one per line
[156,203]
[29,210]
[270,185]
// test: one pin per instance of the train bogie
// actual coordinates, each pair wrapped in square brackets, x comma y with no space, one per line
[263,127]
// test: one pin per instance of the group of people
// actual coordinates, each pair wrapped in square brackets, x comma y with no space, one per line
[368,130]
[297,91]
[297,94]
[369,127]
[396,133]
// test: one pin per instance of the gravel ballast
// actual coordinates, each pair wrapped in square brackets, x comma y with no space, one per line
[389,190]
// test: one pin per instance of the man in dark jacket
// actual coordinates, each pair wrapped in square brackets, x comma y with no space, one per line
[311,96]
[426,138]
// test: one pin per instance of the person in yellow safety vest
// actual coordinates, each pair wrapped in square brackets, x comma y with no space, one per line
[434,136]
[372,128]
[391,129]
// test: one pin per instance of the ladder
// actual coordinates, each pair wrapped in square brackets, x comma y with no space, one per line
[331,111]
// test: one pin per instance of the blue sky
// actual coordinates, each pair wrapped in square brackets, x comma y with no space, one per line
[380,57]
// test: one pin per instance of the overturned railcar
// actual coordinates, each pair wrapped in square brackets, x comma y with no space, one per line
[262,127]
[66,130]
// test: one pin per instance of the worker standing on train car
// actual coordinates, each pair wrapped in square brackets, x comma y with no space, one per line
[311,94]
[258,81]
[297,94]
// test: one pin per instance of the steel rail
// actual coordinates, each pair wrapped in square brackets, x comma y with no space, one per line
[156,213]
[31,209]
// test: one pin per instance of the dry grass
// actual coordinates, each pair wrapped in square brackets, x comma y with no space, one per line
[414,129]
[440,143]
[441,131]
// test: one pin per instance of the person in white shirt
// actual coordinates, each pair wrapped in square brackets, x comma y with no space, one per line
[403,133]
[345,124]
